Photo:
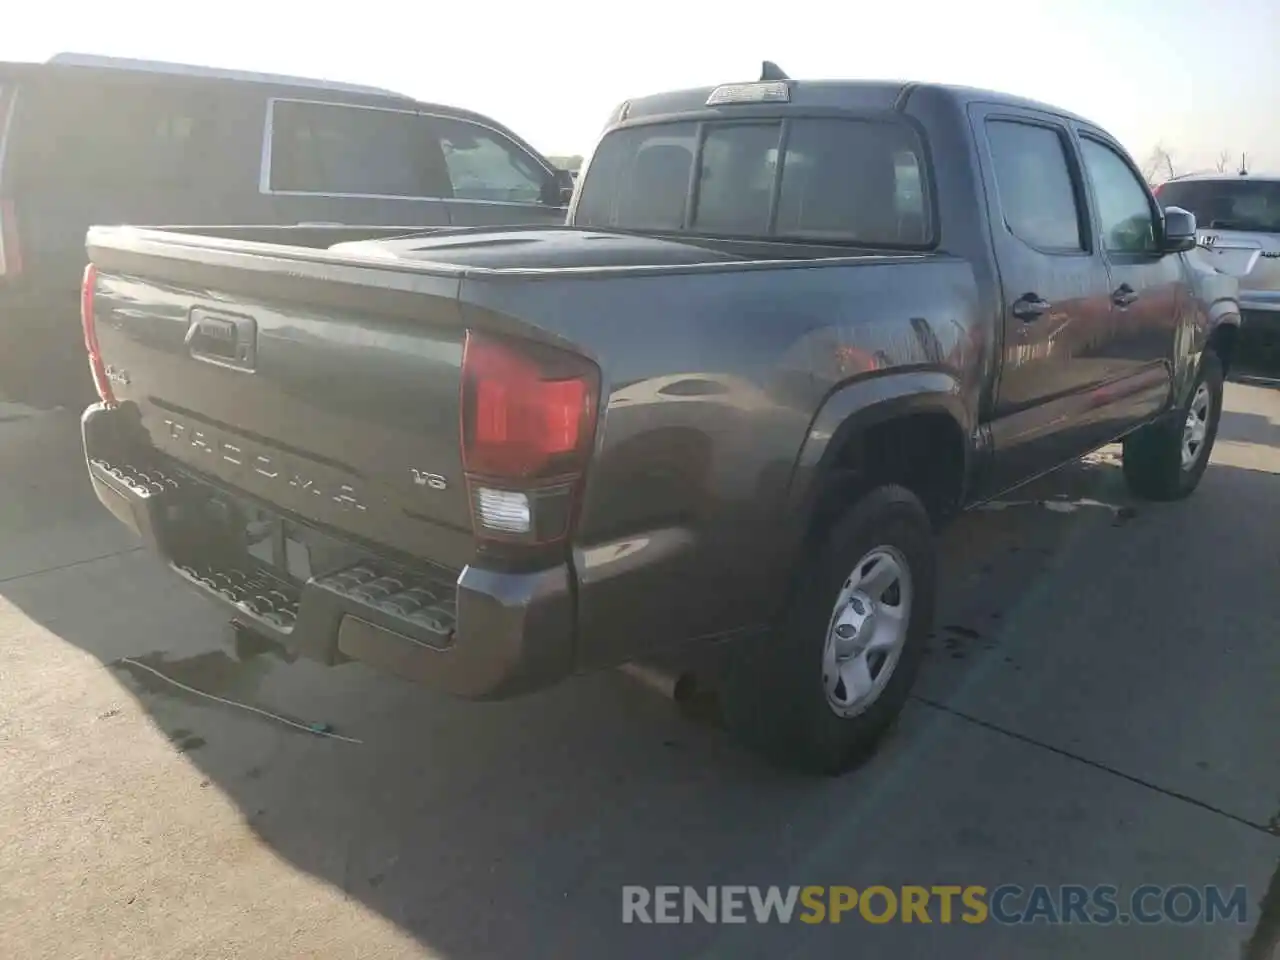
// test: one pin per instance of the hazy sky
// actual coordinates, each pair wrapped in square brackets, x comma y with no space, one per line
[1199,76]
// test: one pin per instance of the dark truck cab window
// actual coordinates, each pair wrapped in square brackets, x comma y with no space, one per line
[841,180]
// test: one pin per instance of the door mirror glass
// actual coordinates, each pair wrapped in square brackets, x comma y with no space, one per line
[559,190]
[1179,230]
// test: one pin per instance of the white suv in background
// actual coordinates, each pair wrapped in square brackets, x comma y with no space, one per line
[1239,230]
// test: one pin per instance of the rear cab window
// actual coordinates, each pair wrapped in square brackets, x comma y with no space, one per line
[823,179]
[1034,185]
[1243,204]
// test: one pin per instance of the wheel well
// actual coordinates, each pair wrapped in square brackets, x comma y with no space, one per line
[1223,342]
[924,452]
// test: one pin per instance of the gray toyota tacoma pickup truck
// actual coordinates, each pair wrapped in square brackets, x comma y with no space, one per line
[788,330]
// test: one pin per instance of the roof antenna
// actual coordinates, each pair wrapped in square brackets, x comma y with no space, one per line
[1244,164]
[771,71]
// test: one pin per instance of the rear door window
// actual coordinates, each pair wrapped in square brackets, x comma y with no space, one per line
[1034,184]
[349,150]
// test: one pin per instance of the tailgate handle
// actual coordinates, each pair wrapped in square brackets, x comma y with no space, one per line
[223,339]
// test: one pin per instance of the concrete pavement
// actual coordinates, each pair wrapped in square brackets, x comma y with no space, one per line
[1099,706]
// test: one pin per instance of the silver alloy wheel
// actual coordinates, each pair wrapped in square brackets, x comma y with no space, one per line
[867,631]
[1196,427]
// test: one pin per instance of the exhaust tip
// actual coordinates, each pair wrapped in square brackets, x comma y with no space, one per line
[679,686]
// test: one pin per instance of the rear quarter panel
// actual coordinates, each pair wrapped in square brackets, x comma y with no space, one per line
[711,383]
[1214,303]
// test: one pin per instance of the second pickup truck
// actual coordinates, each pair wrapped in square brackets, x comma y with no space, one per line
[789,329]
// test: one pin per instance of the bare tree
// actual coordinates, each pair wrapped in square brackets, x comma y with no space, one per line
[1159,164]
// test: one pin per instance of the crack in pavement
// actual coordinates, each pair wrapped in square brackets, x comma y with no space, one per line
[1263,828]
[71,563]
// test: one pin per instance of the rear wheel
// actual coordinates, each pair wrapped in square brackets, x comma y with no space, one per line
[1165,461]
[819,692]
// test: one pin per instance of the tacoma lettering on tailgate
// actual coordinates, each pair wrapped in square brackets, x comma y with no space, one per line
[290,480]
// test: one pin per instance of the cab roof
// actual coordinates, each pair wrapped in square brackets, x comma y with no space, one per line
[869,95]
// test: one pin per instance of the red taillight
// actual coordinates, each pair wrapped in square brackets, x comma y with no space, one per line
[522,420]
[528,423]
[10,252]
[87,289]
[1155,191]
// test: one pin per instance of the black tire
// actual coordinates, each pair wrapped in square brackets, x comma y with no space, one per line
[1153,466]
[773,696]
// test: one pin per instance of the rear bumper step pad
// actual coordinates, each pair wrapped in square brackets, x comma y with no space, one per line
[372,590]
[485,635]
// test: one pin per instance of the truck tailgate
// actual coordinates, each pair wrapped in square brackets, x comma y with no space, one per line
[331,394]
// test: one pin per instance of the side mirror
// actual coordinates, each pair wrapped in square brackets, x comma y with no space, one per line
[563,187]
[1179,231]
